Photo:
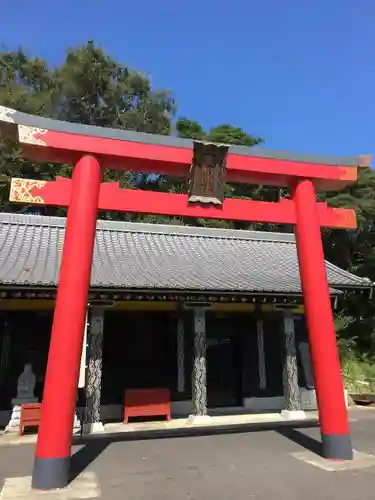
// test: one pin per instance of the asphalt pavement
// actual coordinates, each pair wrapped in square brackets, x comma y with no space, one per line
[280,464]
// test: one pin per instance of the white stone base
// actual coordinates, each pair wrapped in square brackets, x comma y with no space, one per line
[199,419]
[293,415]
[76,423]
[86,485]
[94,427]
[308,399]
[360,460]
[14,422]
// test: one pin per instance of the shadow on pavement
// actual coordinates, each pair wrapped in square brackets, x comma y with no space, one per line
[85,456]
[301,439]
[93,446]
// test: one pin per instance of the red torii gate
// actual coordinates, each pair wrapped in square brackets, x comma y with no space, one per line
[91,149]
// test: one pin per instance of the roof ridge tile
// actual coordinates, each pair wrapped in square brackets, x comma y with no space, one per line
[149,228]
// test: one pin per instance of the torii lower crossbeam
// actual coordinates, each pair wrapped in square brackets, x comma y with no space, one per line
[113,198]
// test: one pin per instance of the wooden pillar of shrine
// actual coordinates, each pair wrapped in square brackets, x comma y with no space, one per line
[92,421]
[293,409]
[199,375]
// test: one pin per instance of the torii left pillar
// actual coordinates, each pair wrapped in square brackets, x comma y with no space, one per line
[52,458]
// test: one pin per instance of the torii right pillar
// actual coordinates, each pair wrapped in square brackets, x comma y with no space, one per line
[333,415]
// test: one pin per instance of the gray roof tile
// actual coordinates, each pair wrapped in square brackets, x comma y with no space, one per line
[151,256]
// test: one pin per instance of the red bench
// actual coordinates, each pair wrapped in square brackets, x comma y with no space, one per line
[147,403]
[30,416]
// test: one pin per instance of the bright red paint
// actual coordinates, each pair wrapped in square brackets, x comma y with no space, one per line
[84,195]
[167,160]
[30,416]
[322,336]
[60,390]
[112,197]
[147,403]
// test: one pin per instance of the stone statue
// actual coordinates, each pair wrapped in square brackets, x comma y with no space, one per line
[25,394]
[26,383]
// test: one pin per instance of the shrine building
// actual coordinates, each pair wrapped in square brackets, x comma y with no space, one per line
[165,297]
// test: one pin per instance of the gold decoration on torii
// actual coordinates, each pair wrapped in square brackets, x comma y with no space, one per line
[21,191]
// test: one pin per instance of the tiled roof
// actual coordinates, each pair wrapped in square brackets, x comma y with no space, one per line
[159,257]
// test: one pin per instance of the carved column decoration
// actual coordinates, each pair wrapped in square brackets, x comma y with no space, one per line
[290,379]
[199,366]
[94,368]
[180,355]
[261,356]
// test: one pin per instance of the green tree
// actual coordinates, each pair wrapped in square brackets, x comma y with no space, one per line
[25,84]
[95,89]
[355,252]
[189,129]
[89,87]
[227,134]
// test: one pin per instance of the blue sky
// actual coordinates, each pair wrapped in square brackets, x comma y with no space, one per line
[300,74]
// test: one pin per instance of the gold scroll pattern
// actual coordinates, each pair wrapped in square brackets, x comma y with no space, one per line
[21,191]
[6,114]
[31,135]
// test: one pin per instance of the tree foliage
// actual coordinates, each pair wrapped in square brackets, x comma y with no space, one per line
[93,88]
[355,252]
[90,87]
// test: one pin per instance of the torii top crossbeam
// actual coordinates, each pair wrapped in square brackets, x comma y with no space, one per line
[64,142]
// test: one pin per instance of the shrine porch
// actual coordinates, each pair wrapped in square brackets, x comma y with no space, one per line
[243,355]
[236,420]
